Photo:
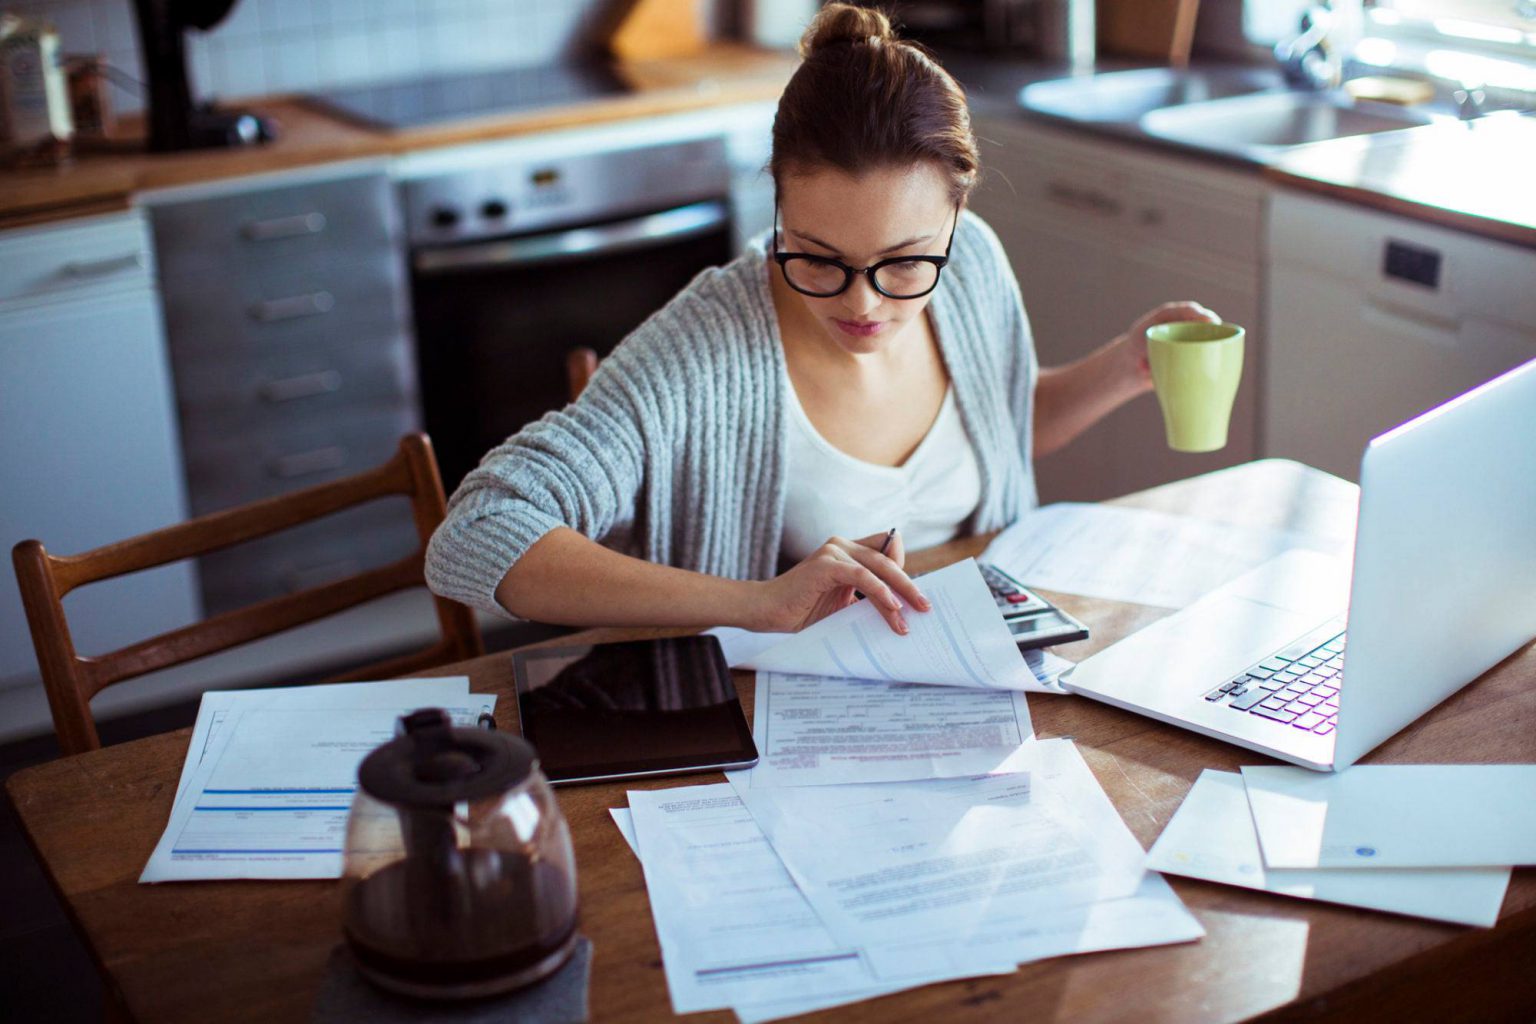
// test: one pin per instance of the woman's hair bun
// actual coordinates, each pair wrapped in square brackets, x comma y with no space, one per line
[845,23]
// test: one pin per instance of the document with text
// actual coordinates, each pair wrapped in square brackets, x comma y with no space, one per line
[963,641]
[816,731]
[1136,555]
[734,929]
[947,860]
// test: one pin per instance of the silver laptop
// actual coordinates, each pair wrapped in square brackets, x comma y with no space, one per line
[1443,588]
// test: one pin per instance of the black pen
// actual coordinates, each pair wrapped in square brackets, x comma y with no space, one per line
[884,545]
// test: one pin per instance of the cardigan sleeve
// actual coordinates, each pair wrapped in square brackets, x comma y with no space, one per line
[581,467]
[1014,335]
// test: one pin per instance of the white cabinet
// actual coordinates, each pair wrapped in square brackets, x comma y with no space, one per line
[91,452]
[1098,233]
[1375,318]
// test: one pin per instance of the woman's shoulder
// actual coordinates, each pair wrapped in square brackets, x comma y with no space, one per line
[722,316]
[977,256]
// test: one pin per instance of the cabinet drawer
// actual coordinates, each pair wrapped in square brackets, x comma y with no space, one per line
[256,391]
[312,224]
[97,255]
[309,555]
[283,304]
[231,469]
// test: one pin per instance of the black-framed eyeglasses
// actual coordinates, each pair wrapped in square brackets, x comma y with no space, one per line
[900,277]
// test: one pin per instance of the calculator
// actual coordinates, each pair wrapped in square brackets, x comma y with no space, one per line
[1033,621]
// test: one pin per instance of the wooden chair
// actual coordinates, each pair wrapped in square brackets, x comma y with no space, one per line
[580,365]
[71,680]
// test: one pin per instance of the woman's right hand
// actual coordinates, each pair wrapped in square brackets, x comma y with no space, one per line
[826,580]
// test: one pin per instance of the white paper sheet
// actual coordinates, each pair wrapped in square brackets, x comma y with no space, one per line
[815,731]
[1398,815]
[270,797]
[1135,555]
[733,928]
[914,872]
[1212,837]
[963,641]
[216,705]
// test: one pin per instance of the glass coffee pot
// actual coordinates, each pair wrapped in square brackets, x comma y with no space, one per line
[459,876]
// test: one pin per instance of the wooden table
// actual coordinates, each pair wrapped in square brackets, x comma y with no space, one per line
[253,951]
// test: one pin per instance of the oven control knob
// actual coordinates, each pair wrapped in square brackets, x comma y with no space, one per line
[445,216]
[493,209]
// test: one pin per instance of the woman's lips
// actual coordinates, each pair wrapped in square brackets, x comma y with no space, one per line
[859,328]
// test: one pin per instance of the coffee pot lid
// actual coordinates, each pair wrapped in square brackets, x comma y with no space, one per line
[436,765]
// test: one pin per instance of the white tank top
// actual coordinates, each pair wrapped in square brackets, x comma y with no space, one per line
[831,493]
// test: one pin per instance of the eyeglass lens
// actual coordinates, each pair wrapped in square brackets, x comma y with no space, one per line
[912,277]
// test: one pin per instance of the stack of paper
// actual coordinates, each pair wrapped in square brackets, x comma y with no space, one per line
[1433,841]
[1136,555]
[270,775]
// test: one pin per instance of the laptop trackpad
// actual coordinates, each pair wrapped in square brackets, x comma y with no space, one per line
[1175,660]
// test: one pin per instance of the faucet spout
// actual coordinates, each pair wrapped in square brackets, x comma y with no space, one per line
[1308,61]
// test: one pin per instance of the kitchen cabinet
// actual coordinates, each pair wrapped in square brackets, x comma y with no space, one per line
[1374,318]
[1098,232]
[92,453]
[286,310]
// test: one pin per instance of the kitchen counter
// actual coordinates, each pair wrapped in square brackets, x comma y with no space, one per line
[95,182]
[1474,177]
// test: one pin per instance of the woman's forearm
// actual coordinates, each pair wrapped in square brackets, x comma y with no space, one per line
[567,579]
[1071,398]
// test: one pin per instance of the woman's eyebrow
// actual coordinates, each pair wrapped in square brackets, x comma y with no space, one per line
[883,252]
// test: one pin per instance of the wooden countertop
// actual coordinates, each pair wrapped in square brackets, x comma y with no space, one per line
[723,74]
[1473,177]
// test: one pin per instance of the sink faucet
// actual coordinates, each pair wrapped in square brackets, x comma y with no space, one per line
[1308,61]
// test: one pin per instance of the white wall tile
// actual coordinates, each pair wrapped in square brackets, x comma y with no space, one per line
[301,45]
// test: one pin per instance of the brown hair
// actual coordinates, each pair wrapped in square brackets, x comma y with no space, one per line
[864,98]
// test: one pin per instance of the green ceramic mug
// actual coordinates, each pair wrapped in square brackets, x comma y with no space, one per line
[1196,367]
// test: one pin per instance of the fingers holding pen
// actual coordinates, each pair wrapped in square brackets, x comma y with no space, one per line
[888,566]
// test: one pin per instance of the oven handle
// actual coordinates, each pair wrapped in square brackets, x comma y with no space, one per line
[669,225]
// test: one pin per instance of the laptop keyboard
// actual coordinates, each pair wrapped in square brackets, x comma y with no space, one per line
[1299,686]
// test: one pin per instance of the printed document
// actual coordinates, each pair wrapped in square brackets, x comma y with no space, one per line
[1212,837]
[815,731]
[915,873]
[1395,815]
[270,797]
[1135,555]
[963,641]
[734,930]
[217,705]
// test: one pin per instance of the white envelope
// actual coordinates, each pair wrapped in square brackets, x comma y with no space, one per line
[1401,816]
[1212,837]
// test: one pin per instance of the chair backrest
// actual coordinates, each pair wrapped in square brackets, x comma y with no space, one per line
[580,365]
[71,680]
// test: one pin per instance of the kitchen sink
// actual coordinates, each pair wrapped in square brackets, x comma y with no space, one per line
[1259,125]
[1124,96]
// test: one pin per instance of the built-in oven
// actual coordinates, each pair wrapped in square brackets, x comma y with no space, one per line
[515,265]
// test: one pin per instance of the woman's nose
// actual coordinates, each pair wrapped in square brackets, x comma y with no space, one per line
[861,297]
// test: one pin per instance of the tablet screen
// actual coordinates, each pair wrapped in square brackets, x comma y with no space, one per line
[646,707]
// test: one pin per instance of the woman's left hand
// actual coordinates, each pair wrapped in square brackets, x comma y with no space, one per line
[1131,347]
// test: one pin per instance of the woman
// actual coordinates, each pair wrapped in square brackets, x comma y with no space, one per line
[868,366]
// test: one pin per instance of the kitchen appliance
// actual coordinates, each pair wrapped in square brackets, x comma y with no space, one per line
[411,104]
[459,876]
[516,263]
[175,122]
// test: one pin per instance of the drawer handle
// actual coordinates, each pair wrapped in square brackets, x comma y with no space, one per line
[283,227]
[286,467]
[1077,198]
[293,307]
[111,265]
[305,385]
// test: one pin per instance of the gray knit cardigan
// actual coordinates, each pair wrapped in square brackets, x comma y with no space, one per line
[675,450]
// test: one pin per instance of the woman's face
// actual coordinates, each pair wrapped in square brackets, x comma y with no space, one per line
[862,220]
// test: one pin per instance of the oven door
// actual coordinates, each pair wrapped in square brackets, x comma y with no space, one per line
[496,319]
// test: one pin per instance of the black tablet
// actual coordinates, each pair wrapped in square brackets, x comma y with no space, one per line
[625,710]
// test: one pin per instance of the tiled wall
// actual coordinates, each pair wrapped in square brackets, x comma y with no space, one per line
[269,46]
